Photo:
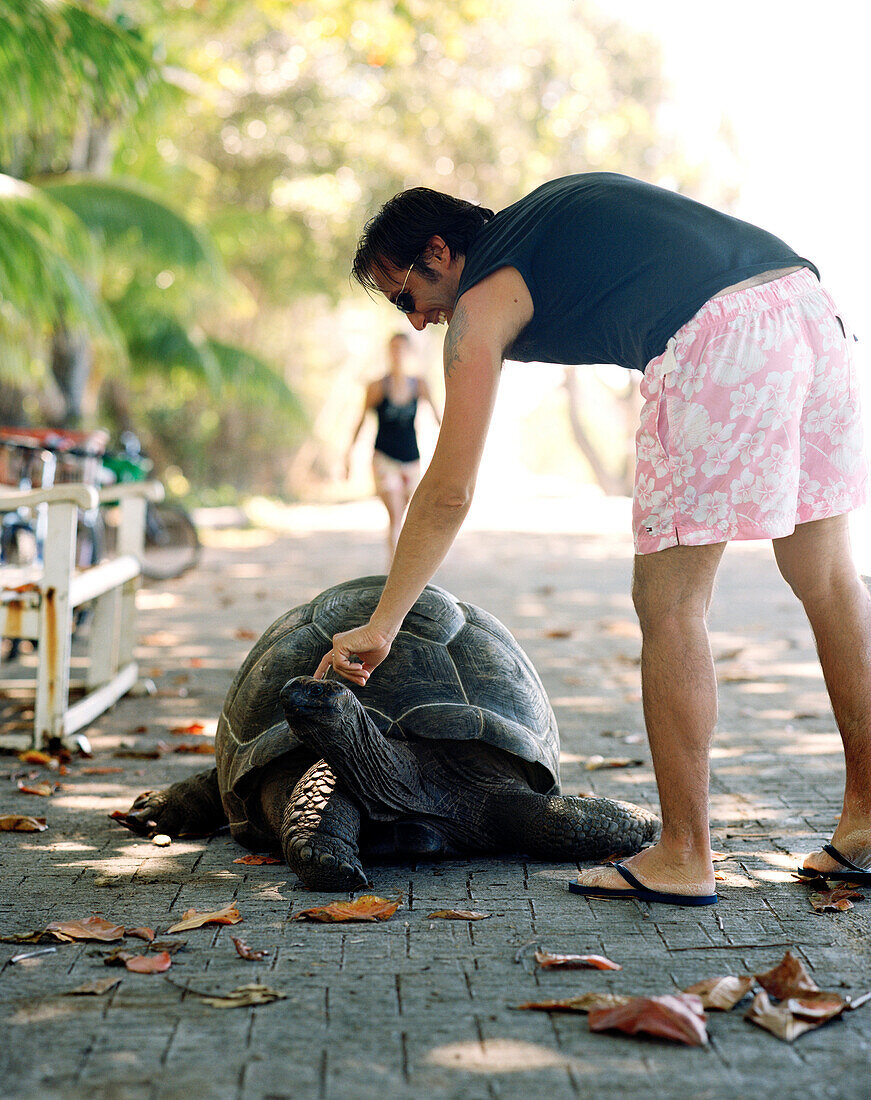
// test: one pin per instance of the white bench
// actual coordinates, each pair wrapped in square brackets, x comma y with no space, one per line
[38,603]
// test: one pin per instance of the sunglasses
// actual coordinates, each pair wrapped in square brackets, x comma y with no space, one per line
[404,301]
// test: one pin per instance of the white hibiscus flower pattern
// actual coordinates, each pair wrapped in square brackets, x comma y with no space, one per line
[756,428]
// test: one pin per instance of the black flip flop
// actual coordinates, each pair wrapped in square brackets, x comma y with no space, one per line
[851,873]
[639,891]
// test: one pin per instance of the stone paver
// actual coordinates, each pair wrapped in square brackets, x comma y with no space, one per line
[420,1008]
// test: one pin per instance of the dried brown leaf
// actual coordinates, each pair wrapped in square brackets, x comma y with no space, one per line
[102,769]
[678,1016]
[246,952]
[558,632]
[722,993]
[192,919]
[34,756]
[149,964]
[91,928]
[595,763]
[258,861]
[44,790]
[95,989]
[141,933]
[22,823]
[789,978]
[837,899]
[193,729]
[547,961]
[792,1017]
[367,907]
[241,997]
[458,914]
[206,748]
[586,1002]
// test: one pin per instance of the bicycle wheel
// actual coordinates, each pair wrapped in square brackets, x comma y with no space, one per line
[172,545]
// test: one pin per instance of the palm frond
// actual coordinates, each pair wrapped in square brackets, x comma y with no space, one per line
[47,263]
[159,341]
[255,379]
[56,56]
[117,210]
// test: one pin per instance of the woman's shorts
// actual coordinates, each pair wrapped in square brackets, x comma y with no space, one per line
[751,421]
[393,476]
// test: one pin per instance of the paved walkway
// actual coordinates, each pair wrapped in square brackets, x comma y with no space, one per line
[416,1007]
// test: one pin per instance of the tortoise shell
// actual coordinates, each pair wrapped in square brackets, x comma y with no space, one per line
[454,673]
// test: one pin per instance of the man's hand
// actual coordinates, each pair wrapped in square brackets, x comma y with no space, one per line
[355,654]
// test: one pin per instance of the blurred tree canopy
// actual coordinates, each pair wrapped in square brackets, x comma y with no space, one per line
[274,131]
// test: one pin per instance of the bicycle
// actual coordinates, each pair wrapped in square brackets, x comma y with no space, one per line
[172,543]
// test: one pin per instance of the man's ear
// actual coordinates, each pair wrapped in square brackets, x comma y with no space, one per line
[437,253]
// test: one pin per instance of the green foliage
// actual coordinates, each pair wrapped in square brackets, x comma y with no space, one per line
[124,213]
[47,264]
[58,60]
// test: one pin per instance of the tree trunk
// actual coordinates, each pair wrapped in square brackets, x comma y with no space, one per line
[611,484]
[71,358]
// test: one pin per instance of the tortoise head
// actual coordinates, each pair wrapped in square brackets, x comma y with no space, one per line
[321,704]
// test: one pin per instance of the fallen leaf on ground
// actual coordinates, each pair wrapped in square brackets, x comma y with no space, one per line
[138,754]
[586,1002]
[246,952]
[24,937]
[367,907]
[204,747]
[22,823]
[149,964]
[787,979]
[44,790]
[91,928]
[836,899]
[547,961]
[102,769]
[718,857]
[95,989]
[795,1015]
[457,914]
[244,635]
[34,756]
[722,993]
[172,947]
[257,861]
[557,633]
[192,919]
[678,1016]
[193,729]
[141,933]
[594,763]
[244,995]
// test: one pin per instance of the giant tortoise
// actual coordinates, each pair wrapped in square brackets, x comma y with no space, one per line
[452,748]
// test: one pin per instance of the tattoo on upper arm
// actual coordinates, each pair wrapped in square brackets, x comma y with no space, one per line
[457,329]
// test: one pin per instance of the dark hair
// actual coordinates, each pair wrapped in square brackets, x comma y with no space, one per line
[403,227]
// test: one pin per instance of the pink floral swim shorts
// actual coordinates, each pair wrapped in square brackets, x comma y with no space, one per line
[751,421]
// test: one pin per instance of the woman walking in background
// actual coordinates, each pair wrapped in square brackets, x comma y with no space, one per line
[396,458]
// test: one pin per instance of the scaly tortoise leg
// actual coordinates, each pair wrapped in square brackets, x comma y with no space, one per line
[317,827]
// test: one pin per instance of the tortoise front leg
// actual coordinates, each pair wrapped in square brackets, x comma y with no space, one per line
[191,807]
[317,827]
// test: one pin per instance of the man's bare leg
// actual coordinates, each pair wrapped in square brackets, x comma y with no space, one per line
[672,593]
[817,563]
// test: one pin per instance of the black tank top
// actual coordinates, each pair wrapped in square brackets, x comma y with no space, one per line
[396,436]
[615,266]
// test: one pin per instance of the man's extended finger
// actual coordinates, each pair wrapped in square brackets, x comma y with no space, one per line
[326,662]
